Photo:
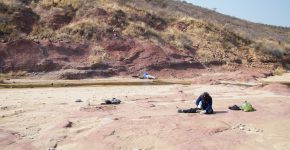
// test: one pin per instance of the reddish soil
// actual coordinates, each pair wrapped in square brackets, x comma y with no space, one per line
[146,119]
[122,57]
[277,88]
[125,55]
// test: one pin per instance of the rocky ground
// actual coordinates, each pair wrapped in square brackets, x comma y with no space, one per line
[43,118]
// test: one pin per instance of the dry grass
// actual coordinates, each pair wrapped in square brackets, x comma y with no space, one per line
[279,71]
[98,55]
[142,31]
[274,48]
[198,32]
[85,29]
[11,3]
[42,32]
[134,30]
[7,29]
[61,3]
[2,80]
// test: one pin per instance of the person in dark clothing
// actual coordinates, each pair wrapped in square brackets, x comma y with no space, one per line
[203,105]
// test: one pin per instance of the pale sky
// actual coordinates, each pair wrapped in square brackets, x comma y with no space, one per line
[273,12]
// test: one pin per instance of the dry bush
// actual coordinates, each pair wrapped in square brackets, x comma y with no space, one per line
[279,71]
[98,57]
[153,35]
[3,7]
[8,75]
[11,3]
[142,31]
[123,2]
[2,79]
[160,3]
[154,21]
[183,41]
[84,29]
[61,3]
[195,30]
[98,50]
[17,74]
[134,30]
[213,33]
[271,47]
[6,26]
[95,59]
[6,29]
[42,32]
[169,36]
[118,19]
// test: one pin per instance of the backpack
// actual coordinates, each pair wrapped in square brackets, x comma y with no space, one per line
[247,107]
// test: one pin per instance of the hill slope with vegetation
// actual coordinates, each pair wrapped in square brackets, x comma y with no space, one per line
[86,38]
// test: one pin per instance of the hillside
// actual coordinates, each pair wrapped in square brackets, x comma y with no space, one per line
[85,38]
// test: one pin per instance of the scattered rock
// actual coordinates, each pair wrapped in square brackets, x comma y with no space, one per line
[78,100]
[69,124]
[52,144]
[243,127]
[98,108]
[112,133]
[4,108]
[145,117]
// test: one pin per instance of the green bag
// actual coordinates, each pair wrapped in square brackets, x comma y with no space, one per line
[247,107]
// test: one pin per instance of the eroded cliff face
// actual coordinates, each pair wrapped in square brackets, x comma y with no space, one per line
[102,38]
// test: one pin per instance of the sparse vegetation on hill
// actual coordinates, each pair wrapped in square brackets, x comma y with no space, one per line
[181,33]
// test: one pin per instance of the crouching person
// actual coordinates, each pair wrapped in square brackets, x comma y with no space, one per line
[203,105]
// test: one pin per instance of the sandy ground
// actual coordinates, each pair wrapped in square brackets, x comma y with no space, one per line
[43,118]
[285,78]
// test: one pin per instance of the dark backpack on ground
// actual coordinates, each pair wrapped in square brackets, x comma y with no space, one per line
[234,107]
